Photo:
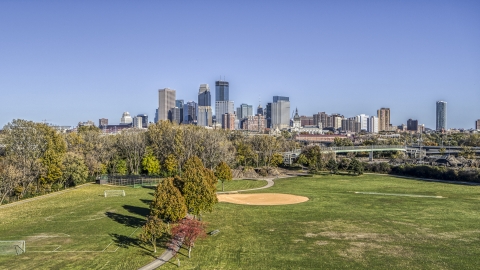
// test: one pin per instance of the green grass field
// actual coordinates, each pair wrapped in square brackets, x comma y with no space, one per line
[241,184]
[336,229]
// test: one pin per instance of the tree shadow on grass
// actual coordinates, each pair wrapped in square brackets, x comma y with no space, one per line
[148,202]
[142,211]
[150,187]
[124,241]
[126,220]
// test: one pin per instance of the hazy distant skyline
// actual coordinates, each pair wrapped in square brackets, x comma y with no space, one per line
[67,62]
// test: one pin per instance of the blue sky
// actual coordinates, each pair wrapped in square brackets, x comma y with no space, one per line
[71,61]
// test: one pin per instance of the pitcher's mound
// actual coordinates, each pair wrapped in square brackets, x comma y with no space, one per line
[261,198]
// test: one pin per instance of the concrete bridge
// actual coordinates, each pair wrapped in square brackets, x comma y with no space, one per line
[288,157]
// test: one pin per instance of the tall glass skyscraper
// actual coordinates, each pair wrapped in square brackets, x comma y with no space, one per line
[204,97]
[221,91]
[441,123]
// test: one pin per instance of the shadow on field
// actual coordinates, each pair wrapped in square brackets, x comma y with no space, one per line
[124,241]
[142,211]
[147,202]
[126,220]
[150,187]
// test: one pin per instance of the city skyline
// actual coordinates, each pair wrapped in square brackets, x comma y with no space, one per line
[71,62]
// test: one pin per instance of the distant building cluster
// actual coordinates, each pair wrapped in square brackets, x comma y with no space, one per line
[275,117]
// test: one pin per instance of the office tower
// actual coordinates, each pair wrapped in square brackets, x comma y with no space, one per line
[176,115]
[223,107]
[373,124]
[441,116]
[204,95]
[351,124]
[155,119]
[190,112]
[166,101]
[179,103]
[221,91]
[102,122]
[137,122]
[126,118]
[204,116]
[260,109]
[268,115]
[383,119]
[228,121]
[363,120]
[244,111]
[412,125]
[477,124]
[277,98]
[280,112]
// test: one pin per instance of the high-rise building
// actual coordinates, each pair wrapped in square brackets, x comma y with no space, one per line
[166,101]
[155,119]
[204,95]
[137,122]
[412,125]
[441,123]
[280,112]
[244,111]
[204,116]
[477,124]
[126,118]
[320,119]
[268,114]
[190,112]
[260,109]
[383,119]
[176,115]
[228,121]
[143,120]
[102,122]
[373,124]
[363,120]
[179,103]
[351,124]
[336,120]
[223,107]
[306,121]
[277,98]
[221,91]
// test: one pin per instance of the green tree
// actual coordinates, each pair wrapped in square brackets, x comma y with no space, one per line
[75,171]
[442,151]
[356,167]
[342,141]
[52,166]
[150,163]
[276,160]
[467,152]
[121,167]
[223,173]
[171,165]
[332,166]
[168,203]
[198,189]
[153,229]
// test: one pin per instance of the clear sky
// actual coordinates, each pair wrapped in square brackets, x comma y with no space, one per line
[71,61]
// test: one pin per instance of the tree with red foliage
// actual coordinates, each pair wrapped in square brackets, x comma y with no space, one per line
[189,230]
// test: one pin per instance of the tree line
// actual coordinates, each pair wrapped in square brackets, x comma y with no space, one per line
[38,159]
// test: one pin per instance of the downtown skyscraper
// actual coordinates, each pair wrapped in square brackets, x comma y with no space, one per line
[441,116]
[204,116]
[222,103]
[166,101]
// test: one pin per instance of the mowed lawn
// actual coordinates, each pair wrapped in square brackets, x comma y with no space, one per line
[79,229]
[336,229]
[241,184]
[339,229]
